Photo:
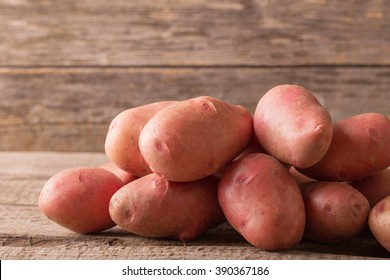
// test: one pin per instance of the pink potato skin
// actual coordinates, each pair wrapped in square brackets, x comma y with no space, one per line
[195,138]
[121,144]
[154,207]
[379,222]
[124,176]
[359,148]
[263,202]
[335,211]
[375,187]
[78,198]
[292,126]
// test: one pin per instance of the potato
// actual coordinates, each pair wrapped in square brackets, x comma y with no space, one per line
[375,187]
[121,145]
[335,211]
[379,222]
[154,207]
[78,198]
[124,176]
[195,138]
[292,126]
[263,202]
[359,148]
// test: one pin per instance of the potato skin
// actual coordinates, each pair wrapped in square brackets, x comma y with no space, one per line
[121,144]
[292,126]
[78,198]
[379,222]
[124,176]
[154,207]
[375,187]
[359,148]
[335,211]
[263,202]
[195,138]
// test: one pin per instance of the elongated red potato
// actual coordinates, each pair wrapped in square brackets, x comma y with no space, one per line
[78,198]
[195,138]
[154,207]
[121,145]
[379,222]
[359,148]
[375,187]
[335,211]
[263,202]
[292,126]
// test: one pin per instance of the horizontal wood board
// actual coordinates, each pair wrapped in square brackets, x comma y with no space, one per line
[194,32]
[69,109]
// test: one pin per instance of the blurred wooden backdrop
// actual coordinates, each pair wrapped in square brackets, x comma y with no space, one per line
[68,67]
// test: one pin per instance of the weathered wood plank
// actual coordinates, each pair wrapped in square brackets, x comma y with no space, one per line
[26,227]
[85,252]
[41,165]
[194,32]
[23,174]
[69,109]
[20,191]
[27,234]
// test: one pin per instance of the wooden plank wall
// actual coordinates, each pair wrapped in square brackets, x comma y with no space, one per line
[68,67]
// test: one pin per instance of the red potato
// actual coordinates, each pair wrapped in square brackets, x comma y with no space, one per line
[124,176]
[292,126]
[335,211]
[154,207]
[375,187]
[121,145]
[195,138]
[263,202]
[359,148]
[379,222]
[78,198]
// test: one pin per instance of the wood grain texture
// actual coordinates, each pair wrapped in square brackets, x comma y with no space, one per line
[39,238]
[23,174]
[25,233]
[90,252]
[194,32]
[57,109]
[103,251]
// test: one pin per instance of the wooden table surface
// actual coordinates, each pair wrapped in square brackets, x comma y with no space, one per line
[27,234]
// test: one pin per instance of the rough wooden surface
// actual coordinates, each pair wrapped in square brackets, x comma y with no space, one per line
[25,233]
[70,109]
[194,32]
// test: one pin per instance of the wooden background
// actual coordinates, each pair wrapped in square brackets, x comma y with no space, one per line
[68,67]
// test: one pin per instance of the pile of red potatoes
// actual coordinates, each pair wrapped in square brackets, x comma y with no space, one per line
[285,173]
